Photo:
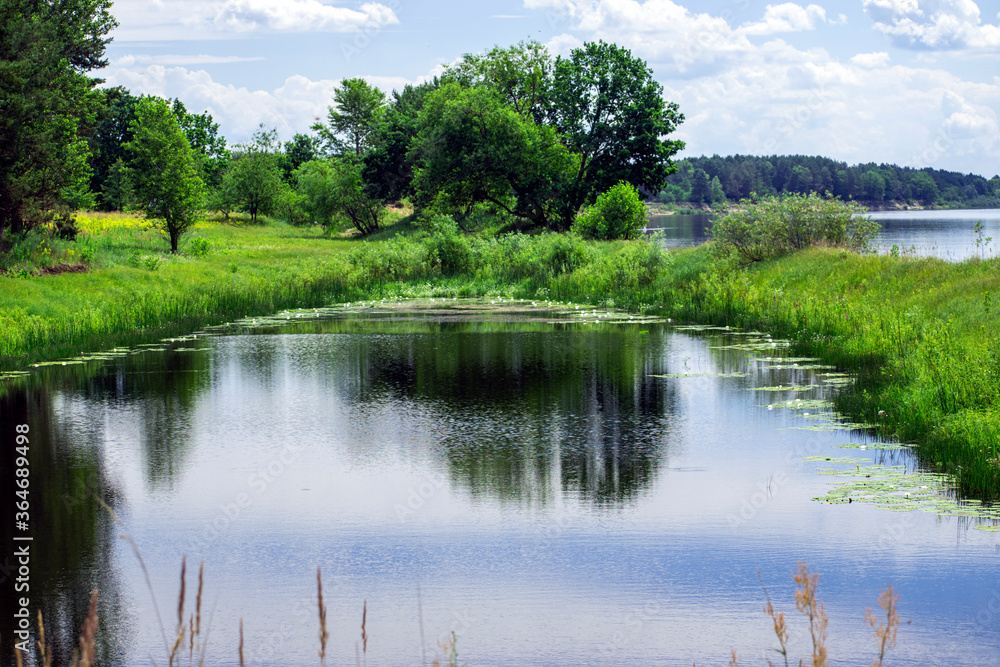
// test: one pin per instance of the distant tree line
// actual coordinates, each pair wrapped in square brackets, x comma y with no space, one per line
[714,180]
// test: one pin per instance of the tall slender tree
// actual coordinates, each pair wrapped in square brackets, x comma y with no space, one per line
[47,47]
[163,168]
[353,119]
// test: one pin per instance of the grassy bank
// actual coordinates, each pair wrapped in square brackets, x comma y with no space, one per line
[920,333]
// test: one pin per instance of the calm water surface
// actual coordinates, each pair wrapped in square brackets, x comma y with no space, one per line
[526,474]
[948,235]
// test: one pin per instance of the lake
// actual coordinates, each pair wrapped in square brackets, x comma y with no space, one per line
[558,486]
[947,234]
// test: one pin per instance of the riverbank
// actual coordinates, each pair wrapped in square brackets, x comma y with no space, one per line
[920,334]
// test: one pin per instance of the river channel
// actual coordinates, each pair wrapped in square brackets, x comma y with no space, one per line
[555,485]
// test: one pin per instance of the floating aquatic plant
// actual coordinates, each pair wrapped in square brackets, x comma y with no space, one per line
[894,488]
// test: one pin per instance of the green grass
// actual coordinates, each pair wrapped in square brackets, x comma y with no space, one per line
[920,334]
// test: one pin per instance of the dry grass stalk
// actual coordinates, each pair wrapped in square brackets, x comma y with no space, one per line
[241,642]
[807,603]
[323,634]
[885,633]
[88,635]
[180,614]
[364,635]
[43,650]
[180,597]
[449,647]
[17,657]
[176,646]
[195,620]
[420,619]
[777,623]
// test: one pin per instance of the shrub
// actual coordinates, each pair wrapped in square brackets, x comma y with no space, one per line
[618,214]
[396,259]
[198,247]
[761,229]
[446,247]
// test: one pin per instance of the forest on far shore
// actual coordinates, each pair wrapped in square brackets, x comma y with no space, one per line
[714,180]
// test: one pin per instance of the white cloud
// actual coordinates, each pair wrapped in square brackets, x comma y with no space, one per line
[215,19]
[933,24]
[290,108]
[968,121]
[172,59]
[672,37]
[299,16]
[742,97]
[661,31]
[871,60]
[788,17]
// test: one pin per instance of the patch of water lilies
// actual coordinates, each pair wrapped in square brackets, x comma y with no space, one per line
[701,375]
[894,488]
[834,426]
[798,404]
[755,344]
[797,367]
[835,379]
[791,387]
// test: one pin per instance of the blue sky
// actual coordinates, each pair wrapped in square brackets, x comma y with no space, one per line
[914,82]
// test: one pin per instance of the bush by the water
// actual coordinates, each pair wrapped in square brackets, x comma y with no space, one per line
[617,214]
[770,227]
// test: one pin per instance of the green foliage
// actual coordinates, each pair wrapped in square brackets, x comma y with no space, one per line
[761,229]
[209,146]
[223,197]
[292,206]
[334,194]
[199,246]
[255,183]
[447,248]
[391,261]
[517,74]
[297,151]
[353,119]
[168,189]
[608,108]
[388,170]
[618,214]
[113,131]
[45,50]
[472,148]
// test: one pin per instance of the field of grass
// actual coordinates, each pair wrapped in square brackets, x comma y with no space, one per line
[921,334]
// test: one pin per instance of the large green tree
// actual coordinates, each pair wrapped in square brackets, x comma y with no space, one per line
[353,119]
[609,110]
[471,147]
[47,102]
[164,169]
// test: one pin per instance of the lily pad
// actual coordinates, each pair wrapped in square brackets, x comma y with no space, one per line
[701,375]
[784,388]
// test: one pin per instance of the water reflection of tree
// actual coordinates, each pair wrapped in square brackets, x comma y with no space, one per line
[527,416]
[162,390]
[72,534]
